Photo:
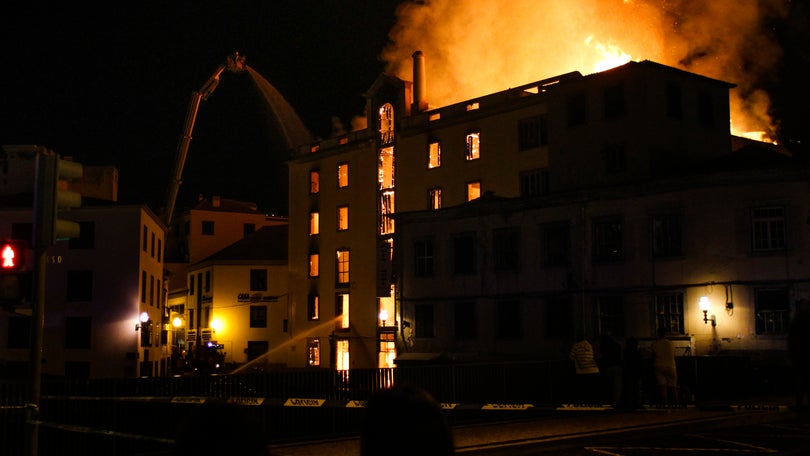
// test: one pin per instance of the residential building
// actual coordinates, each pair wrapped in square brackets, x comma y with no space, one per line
[96,288]
[238,300]
[628,129]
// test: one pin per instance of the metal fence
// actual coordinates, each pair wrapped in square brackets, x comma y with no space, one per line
[140,416]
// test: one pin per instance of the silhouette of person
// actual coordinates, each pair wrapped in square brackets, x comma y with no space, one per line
[586,370]
[632,369]
[405,410]
[610,367]
[799,349]
[664,368]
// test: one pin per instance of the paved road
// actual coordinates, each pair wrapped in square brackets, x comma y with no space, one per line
[741,429]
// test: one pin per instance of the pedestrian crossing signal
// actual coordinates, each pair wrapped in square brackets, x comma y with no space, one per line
[12,256]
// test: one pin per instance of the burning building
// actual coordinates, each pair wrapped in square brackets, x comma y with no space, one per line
[496,227]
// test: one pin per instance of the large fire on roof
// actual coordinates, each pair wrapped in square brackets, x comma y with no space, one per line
[483,47]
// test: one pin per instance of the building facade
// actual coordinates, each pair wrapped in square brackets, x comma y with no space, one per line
[588,135]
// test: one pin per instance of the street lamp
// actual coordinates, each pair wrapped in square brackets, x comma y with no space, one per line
[383,316]
[703,302]
[144,321]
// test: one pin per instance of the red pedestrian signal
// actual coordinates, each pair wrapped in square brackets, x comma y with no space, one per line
[12,256]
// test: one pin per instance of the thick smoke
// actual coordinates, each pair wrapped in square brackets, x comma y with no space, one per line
[473,48]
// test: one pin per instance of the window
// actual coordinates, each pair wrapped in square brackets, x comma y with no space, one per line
[559,321]
[607,239]
[258,280]
[313,264]
[77,332]
[669,313]
[556,244]
[614,102]
[19,332]
[532,132]
[674,102]
[705,110]
[435,198]
[385,168]
[464,254]
[534,182]
[772,310]
[207,286]
[314,223]
[257,348]
[313,352]
[423,257]
[145,237]
[666,236]
[343,175]
[258,316]
[577,105]
[342,266]
[434,154]
[160,250]
[80,285]
[465,321]
[248,229]
[473,190]
[386,208]
[314,181]
[87,235]
[508,319]
[143,287]
[207,228]
[313,307]
[423,320]
[343,218]
[342,310]
[506,244]
[611,315]
[386,129]
[768,228]
[153,245]
[151,290]
[614,158]
[473,146]
[190,284]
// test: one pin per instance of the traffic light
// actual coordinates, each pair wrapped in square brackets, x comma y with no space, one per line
[15,281]
[52,195]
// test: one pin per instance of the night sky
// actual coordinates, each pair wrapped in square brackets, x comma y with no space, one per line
[110,85]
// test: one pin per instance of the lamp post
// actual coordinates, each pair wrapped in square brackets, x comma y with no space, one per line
[383,316]
[704,306]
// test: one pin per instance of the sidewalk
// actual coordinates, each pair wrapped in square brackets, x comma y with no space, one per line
[564,425]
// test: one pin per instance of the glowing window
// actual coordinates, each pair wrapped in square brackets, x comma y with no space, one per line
[473,148]
[434,155]
[342,355]
[343,218]
[386,208]
[343,175]
[473,190]
[386,123]
[314,181]
[473,106]
[342,310]
[342,266]
[314,223]
[313,264]
[435,198]
[313,307]
[314,352]
[385,168]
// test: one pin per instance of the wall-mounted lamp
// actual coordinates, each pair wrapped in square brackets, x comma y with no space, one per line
[704,306]
[145,321]
[383,316]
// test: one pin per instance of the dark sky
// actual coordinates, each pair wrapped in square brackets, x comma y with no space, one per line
[110,85]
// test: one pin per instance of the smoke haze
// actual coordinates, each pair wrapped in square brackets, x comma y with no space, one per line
[473,48]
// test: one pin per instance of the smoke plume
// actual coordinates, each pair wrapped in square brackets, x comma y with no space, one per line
[473,48]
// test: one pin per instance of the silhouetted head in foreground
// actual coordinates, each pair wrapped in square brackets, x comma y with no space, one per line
[405,420]
[219,428]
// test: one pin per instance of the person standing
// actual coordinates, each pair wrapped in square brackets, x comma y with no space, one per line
[586,370]
[664,368]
